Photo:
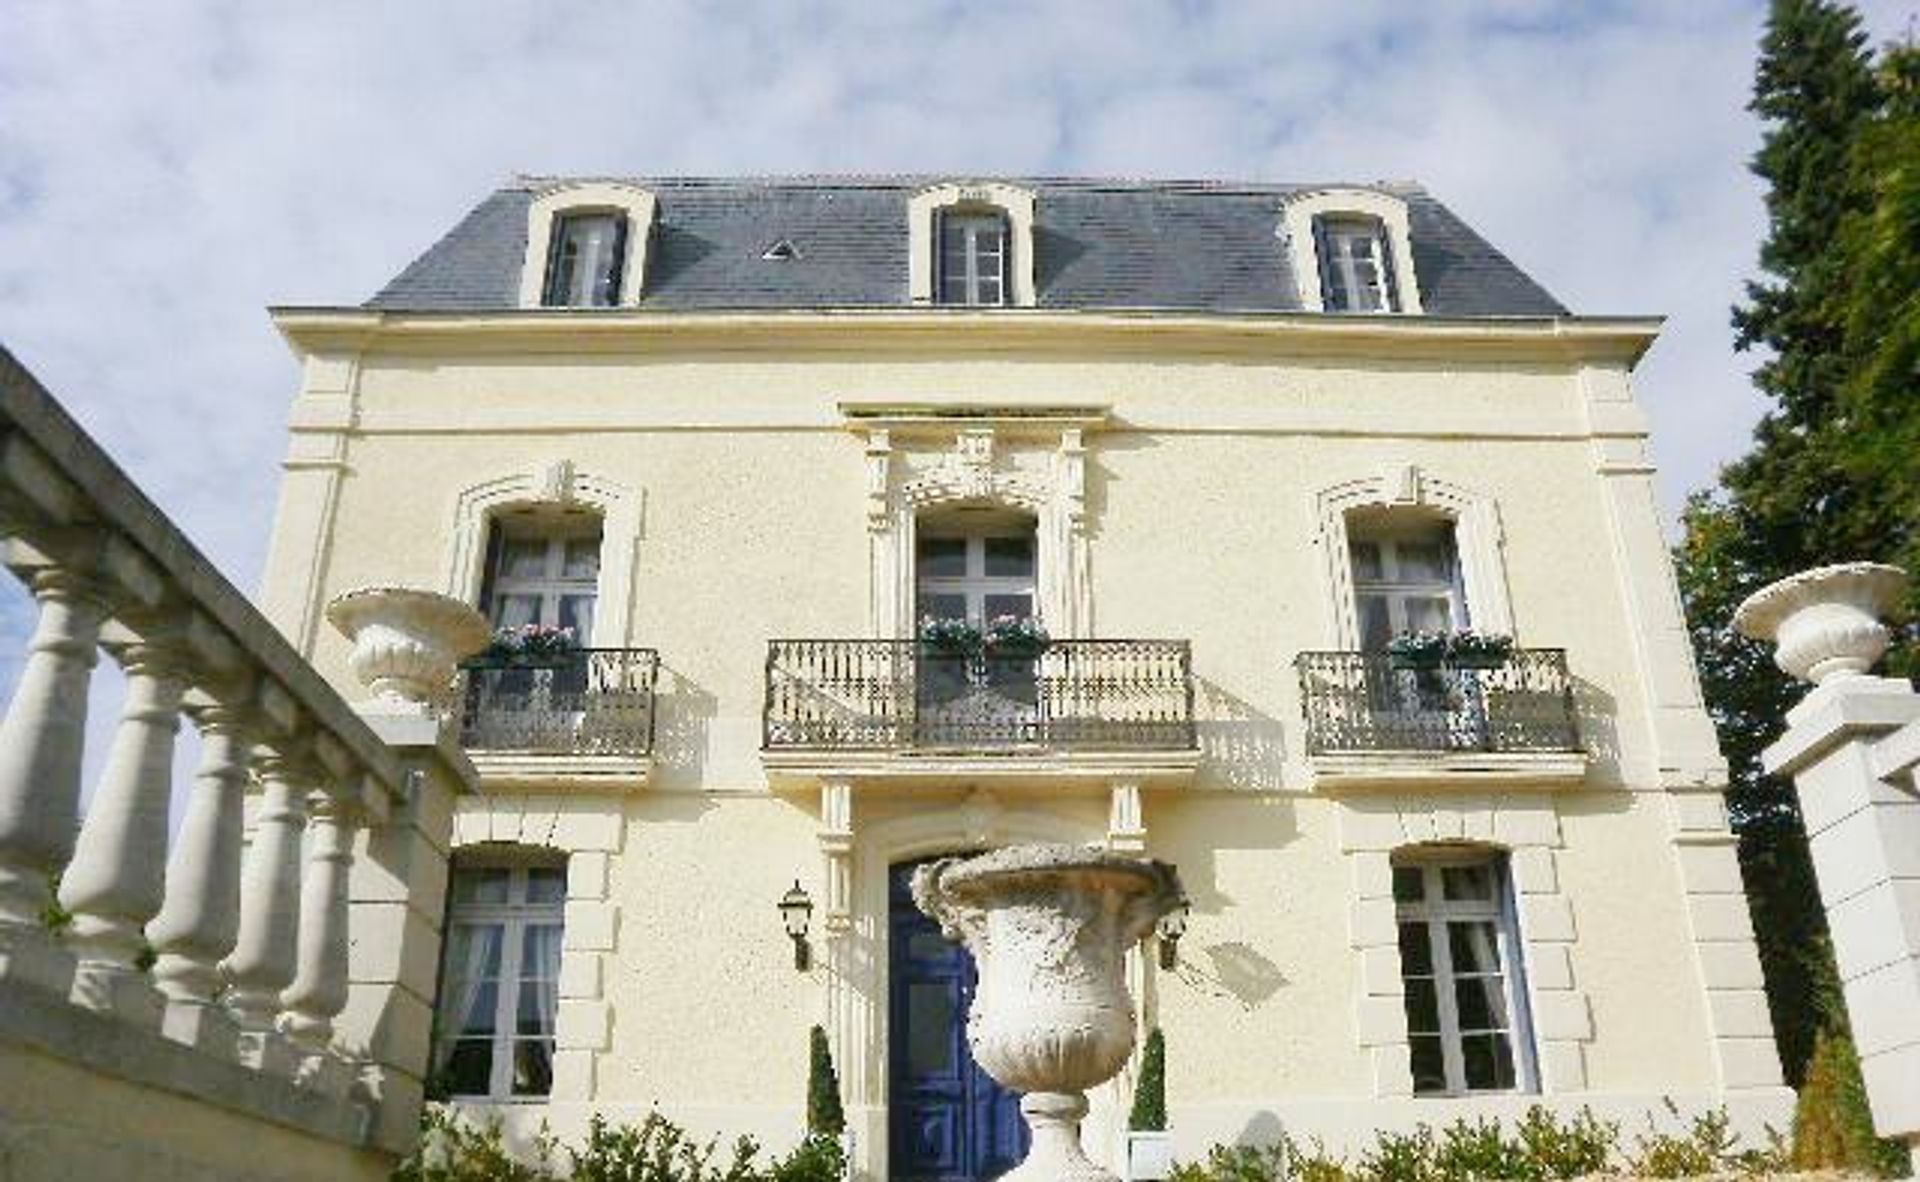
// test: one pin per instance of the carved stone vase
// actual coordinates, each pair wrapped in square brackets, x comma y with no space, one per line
[1048,927]
[407,642]
[1825,621]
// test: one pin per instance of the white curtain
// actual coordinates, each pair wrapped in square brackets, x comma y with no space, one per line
[475,948]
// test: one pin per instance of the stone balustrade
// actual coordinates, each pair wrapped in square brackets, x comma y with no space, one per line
[248,937]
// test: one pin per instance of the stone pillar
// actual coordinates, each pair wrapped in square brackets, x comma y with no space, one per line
[117,879]
[319,989]
[41,740]
[198,922]
[263,959]
[836,848]
[1861,809]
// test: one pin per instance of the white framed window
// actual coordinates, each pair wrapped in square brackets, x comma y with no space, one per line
[1460,961]
[1406,578]
[499,981]
[973,258]
[544,569]
[975,573]
[1356,273]
[586,260]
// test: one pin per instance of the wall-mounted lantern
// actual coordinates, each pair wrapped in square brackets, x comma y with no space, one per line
[796,912]
[1172,926]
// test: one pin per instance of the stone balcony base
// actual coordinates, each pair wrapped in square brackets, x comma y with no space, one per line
[1442,770]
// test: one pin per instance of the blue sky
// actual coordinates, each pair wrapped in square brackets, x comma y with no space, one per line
[168,170]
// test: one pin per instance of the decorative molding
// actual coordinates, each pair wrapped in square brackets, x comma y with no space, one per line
[1015,203]
[1296,226]
[638,206]
[1126,822]
[557,483]
[1403,486]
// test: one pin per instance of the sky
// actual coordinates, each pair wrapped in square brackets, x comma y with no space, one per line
[170,169]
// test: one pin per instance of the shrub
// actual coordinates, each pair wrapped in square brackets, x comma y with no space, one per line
[1149,1113]
[1584,1146]
[454,1150]
[824,1114]
[1832,1126]
[657,1150]
[1708,1147]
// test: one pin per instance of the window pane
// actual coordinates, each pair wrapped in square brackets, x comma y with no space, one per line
[1429,1064]
[523,558]
[473,952]
[1366,561]
[1424,562]
[1010,558]
[942,607]
[480,886]
[546,884]
[1467,882]
[1475,947]
[930,1028]
[512,611]
[532,1066]
[942,558]
[1423,1007]
[1489,1062]
[468,1070]
[480,1017]
[576,612]
[536,1008]
[1017,606]
[1409,884]
[582,558]
[1416,951]
[1481,1002]
[540,952]
[1427,614]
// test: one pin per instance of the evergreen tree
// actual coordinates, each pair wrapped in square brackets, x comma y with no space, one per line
[824,1114]
[1796,499]
[1149,1113]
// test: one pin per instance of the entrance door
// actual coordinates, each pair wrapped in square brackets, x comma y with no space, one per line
[947,1120]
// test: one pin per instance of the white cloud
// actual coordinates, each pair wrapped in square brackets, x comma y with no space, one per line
[167,171]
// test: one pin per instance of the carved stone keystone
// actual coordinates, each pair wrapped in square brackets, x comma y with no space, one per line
[1048,926]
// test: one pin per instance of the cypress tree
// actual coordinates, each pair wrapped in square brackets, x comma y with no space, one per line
[824,1114]
[1149,1113]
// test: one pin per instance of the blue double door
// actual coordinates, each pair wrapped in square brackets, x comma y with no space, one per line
[948,1120]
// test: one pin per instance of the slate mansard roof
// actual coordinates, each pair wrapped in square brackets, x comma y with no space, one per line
[1186,246]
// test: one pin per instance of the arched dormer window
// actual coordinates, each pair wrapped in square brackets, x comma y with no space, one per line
[1352,251]
[587,246]
[971,245]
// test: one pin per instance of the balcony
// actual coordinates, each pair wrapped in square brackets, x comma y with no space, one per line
[1079,702]
[1372,719]
[588,714]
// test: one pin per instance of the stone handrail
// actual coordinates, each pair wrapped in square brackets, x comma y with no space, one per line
[250,945]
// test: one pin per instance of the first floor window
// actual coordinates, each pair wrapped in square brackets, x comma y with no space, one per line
[1405,579]
[976,573]
[1460,962]
[585,260]
[1354,265]
[544,569]
[499,983]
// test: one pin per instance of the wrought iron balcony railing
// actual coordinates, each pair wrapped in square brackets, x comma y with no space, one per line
[1375,702]
[1097,695]
[593,701]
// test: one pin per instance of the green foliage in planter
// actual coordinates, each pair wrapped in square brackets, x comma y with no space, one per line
[452,1149]
[1149,1113]
[1832,1126]
[1709,1146]
[824,1114]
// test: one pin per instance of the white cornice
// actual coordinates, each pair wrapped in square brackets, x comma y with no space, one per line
[1621,339]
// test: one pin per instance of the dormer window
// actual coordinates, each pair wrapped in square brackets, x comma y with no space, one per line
[585,262]
[971,246]
[973,258]
[1355,272]
[587,246]
[1351,251]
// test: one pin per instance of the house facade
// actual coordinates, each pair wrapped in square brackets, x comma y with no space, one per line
[1288,534]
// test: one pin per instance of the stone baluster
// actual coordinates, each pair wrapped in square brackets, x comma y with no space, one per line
[117,879]
[198,923]
[263,959]
[319,989]
[41,740]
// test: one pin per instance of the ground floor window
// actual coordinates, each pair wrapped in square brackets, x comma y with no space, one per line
[1461,964]
[499,983]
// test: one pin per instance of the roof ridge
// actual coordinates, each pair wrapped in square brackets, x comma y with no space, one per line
[886,180]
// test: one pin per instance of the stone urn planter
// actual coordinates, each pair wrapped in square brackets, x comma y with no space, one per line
[407,642]
[1825,621]
[1048,926]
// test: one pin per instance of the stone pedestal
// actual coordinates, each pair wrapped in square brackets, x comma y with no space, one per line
[1049,926]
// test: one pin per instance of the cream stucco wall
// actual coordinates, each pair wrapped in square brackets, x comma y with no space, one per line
[754,501]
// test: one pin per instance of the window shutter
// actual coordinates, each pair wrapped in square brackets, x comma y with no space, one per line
[1389,276]
[1333,298]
